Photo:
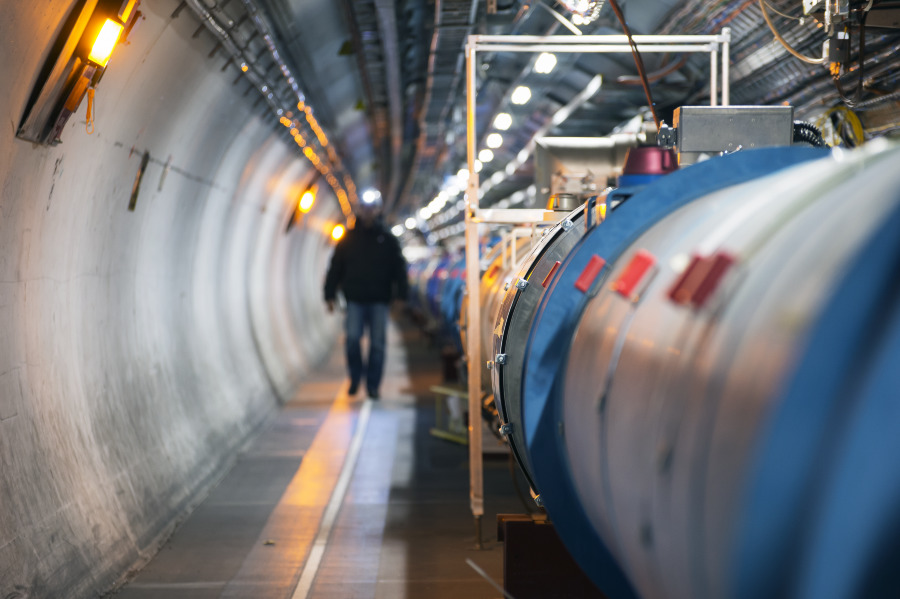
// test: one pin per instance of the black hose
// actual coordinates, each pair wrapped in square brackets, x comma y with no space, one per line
[853,99]
[808,133]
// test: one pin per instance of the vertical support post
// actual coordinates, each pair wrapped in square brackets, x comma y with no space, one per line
[506,241]
[512,251]
[714,76]
[726,65]
[473,320]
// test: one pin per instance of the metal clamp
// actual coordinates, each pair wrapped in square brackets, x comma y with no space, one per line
[567,224]
[506,429]
[667,137]
[500,359]
[521,284]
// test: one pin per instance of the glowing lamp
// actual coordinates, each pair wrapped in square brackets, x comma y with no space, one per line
[306,201]
[105,42]
[545,63]
[337,232]
[503,121]
[521,95]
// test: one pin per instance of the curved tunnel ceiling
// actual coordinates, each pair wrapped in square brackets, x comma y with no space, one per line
[314,35]
[386,77]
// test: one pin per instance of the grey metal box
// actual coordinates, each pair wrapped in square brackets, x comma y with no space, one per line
[728,128]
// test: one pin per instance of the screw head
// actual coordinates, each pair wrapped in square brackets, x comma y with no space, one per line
[500,359]
[521,284]
[568,224]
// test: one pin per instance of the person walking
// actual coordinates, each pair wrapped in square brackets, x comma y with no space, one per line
[369,269]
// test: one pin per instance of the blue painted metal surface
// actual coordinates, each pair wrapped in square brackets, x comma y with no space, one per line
[558,317]
[827,483]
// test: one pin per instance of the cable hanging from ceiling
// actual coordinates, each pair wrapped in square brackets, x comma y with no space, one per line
[638,61]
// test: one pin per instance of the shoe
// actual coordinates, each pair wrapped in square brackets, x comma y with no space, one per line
[354,387]
[373,393]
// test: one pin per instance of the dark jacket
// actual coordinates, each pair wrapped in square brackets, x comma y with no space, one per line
[368,267]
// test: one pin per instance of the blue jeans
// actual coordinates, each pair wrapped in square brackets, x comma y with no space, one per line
[360,316]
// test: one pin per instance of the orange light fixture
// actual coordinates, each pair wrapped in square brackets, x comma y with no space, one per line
[306,201]
[337,232]
[105,42]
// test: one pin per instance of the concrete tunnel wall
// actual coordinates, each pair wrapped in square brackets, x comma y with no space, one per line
[140,349]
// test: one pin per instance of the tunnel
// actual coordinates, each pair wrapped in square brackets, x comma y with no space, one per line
[168,220]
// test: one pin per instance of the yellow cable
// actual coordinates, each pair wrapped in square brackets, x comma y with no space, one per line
[787,46]
[846,117]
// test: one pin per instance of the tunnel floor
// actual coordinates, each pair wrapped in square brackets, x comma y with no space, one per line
[402,529]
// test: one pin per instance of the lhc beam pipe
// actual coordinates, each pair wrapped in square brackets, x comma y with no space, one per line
[707,417]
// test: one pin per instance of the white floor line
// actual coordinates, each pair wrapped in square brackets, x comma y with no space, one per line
[329,517]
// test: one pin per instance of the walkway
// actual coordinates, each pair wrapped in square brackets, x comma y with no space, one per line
[401,528]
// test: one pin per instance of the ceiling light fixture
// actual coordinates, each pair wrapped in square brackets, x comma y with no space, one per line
[503,121]
[105,42]
[397,230]
[307,200]
[410,223]
[494,140]
[545,63]
[521,95]
[485,155]
[586,10]
[370,196]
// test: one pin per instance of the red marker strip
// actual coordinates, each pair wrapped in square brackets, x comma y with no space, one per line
[634,273]
[550,274]
[683,289]
[719,265]
[589,274]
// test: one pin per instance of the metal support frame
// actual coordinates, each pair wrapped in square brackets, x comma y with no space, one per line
[511,239]
[718,47]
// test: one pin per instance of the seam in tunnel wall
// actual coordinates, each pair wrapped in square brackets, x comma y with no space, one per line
[141,349]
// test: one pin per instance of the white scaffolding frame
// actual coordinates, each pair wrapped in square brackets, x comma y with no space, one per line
[718,47]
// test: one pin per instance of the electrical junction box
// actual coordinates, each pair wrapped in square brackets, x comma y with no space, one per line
[716,129]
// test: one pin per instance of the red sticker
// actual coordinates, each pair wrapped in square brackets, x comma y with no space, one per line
[719,265]
[634,273]
[683,290]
